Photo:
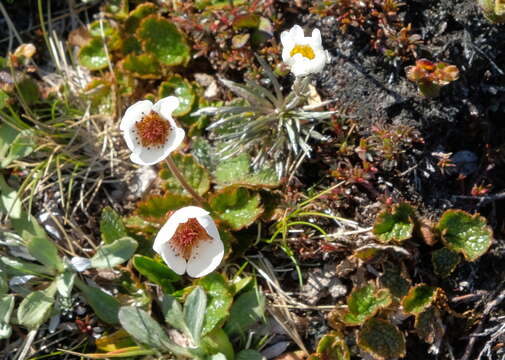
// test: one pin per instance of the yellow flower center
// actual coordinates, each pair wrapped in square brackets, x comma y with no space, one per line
[152,130]
[305,50]
[187,236]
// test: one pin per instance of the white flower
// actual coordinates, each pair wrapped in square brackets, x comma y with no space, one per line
[190,242]
[304,55]
[150,131]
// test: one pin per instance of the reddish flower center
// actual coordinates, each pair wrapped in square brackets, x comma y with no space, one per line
[187,236]
[152,130]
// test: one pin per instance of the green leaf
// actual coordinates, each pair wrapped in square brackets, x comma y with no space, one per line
[93,55]
[181,88]
[237,207]
[250,20]
[173,314]
[25,267]
[7,136]
[465,233]
[142,327]
[136,16]
[194,173]
[65,283]
[249,354]
[419,298]
[218,342]
[28,90]
[429,326]
[19,147]
[395,224]
[158,207]
[27,227]
[444,261]
[247,310]
[44,250]
[381,339]
[110,255]
[106,307]
[395,282]
[220,299]
[161,38]
[194,313]
[144,66]
[363,303]
[111,226]
[6,308]
[10,204]
[35,309]
[4,287]
[332,346]
[237,171]
[4,99]
[155,271]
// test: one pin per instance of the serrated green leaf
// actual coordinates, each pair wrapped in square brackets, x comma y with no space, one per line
[144,66]
[44,250]
[106,307]
[395,224]
[182,89]
[161,38]
[332,346]
[247,310]
[6,308]
[381,339]
[237,207]
[158,207]
[155,271]
[444,261]
[237,171]
[93,55]
[218,342]
[110,255]
[194,313]
[111,226]
[220,299]
[35,309]
[419,298]
[465,233]
[364,302]
[135,16]
[194,173]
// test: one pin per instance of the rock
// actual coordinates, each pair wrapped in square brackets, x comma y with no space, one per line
[321,283]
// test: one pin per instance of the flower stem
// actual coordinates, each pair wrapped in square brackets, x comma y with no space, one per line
[182,180]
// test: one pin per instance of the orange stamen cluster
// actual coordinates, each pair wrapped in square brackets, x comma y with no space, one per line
[187,236]
[152,130]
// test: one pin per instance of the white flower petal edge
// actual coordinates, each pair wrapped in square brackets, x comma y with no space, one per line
[148,156]
[299,64]
[205,257]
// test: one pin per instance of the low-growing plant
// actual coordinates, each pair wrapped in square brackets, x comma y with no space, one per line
[493,10]
[430,76]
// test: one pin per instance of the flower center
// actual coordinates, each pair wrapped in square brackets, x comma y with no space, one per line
[187,236]
[305,50]
[152,130]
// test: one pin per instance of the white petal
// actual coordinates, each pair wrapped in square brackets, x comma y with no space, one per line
[209,225]
[173,260]
[316,37]
[301,66]
[205,257]
[287,39]
[297,33]
[166,106]
[134,113]
[180,216]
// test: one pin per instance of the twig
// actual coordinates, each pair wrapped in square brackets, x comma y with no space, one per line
[473,337]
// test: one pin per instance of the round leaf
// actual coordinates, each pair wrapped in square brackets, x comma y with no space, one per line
[238,207]
[93,55]
[161,38]
[219,303]
[444,261]
[180,88]
[418,299]
[465,233]
[381,339]
[395,224]
[364,303]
